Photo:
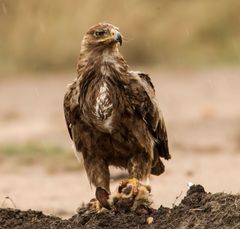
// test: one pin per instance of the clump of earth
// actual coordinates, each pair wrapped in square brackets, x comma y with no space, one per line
[198,209]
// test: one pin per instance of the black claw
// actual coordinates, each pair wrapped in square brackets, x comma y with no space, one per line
[102,196]
[127,190]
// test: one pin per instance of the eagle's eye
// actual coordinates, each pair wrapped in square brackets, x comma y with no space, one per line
[100,33]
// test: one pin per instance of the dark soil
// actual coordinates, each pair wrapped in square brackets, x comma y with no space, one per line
[197,210]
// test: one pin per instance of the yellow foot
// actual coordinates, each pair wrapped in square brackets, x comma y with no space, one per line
[101,202]
[95,205]
[131,194]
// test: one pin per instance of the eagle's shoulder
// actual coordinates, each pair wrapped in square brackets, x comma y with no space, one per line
[143,94]
[143,78]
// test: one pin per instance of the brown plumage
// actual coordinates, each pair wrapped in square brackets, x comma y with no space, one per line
[111,113]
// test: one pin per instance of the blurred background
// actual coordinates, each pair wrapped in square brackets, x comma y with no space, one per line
[191,49]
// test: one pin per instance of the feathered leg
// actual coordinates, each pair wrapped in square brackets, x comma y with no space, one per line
[98,172]
[98,175]
[139,166]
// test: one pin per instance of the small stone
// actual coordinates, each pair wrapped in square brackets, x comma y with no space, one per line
[149,220]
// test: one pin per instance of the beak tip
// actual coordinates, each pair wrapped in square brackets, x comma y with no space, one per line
[118,38]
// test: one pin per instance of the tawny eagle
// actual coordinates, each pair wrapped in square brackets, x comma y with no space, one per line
[111,113]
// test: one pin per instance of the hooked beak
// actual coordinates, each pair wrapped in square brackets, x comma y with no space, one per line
[117,36]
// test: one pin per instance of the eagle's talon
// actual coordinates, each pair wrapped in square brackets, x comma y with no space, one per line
[91,204]
[133,181]
[130,195]
[123,184]
[127,190]
[135,191]
[95,205]
[103,198]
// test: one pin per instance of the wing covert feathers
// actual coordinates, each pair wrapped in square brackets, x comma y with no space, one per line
[151,114]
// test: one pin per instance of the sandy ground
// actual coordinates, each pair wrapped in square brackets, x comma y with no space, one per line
[202,114]
[62,193]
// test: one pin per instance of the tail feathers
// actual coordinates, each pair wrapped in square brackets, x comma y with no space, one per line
[163,150]
[158,168]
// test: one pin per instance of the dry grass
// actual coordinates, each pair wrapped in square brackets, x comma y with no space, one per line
[45,35]
[54,158]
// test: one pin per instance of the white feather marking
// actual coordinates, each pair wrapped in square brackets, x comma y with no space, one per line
[152,142]
[146,181]
[135,73]
[77,153]
[108,123]
[100,103]
[103,105]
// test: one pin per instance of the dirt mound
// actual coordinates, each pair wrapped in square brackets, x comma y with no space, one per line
[197,210]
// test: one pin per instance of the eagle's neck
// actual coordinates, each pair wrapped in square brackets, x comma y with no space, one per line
[101,76]
[101,61]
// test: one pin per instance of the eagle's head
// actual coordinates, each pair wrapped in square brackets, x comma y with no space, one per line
[100,46]
[102,36]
